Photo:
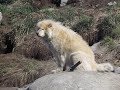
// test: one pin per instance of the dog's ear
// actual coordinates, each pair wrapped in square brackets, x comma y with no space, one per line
[49,25]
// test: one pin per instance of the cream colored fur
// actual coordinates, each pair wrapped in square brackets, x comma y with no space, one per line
[68,47]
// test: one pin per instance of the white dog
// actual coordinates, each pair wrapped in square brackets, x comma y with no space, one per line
[69,48]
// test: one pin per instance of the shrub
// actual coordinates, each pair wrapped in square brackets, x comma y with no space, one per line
[105,28]
[25,9]
[109,42]
[85,23]
[116,33]
[66,15]
[114,19]
[23,26]
[3,8]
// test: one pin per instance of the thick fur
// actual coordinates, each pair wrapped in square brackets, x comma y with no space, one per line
[68,47]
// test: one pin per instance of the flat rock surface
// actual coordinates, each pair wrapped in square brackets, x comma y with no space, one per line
[77,81]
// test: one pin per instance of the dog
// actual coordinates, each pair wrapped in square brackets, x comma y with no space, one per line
[69,48]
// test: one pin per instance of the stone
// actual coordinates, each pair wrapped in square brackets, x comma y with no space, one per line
[77,81]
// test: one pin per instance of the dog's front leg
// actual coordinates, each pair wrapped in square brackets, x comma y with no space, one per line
[59,60]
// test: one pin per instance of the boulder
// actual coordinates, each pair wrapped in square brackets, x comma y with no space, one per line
[77,81]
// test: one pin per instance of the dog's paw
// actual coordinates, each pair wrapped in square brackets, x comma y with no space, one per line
[58,70]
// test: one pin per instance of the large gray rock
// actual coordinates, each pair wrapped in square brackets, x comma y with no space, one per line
[77,81]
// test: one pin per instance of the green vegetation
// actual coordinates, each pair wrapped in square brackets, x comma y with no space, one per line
[85,23]
[19,17]
[26,9]
[23,22]
[23,26]
[66,15]
[109,42]
[4,8]
[116,33]
[114,19]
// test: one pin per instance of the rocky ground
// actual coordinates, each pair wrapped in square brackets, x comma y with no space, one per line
[105,54]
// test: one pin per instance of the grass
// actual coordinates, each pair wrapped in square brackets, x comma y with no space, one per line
[19,17]
[23,22]
[114,19]
[116,33]
[23,26]
[4,9]
[16,70]
[65,15]
[85,23]
[25,9]
[69,16]
[109,42]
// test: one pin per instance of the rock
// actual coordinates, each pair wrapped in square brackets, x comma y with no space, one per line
[77,81]
[112,3]
[95,47]
[63,2]
[117,70]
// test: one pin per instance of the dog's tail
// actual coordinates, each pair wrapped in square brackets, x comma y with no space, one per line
[105,67]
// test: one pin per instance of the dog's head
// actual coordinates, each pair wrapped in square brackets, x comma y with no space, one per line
[44,28]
